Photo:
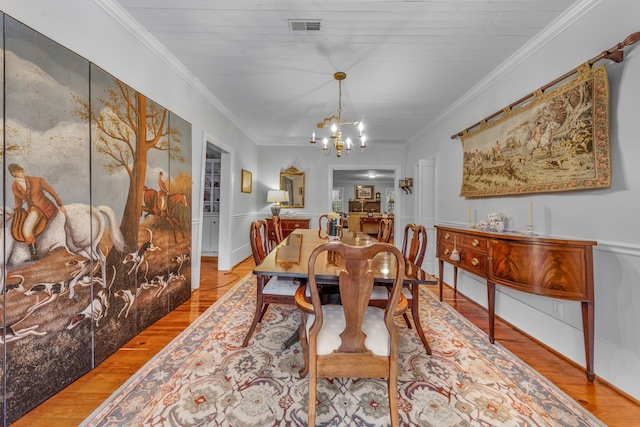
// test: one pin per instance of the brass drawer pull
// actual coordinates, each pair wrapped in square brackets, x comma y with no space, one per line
[446,251]
[475,262]
[475,242]
[296,225]
[446,236]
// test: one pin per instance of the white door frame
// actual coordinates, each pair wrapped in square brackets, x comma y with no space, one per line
[426,205]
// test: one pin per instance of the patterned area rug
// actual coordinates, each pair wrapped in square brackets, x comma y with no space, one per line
[205,378]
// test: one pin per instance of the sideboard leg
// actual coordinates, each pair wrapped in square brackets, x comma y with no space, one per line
[440,272]
[491,300]
[455,279]
[588,326]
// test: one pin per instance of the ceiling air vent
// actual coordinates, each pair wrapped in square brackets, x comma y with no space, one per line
[300,25]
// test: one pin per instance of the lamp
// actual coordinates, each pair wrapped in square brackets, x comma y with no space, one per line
[275,197]
[335,122]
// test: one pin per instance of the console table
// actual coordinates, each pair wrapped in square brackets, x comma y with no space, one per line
[557,268]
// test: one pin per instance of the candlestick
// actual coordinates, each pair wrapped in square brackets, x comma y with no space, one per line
[469,214]
[530,218]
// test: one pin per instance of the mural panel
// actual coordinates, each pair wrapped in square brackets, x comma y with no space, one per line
[3,231]
[48,235]
[114,131]
[180,211]
[154,228]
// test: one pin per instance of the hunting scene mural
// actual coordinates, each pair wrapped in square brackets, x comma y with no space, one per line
[96,216]
[557,142]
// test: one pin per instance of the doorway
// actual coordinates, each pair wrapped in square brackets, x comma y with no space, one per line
[223,153]
[212,201]
[382,177]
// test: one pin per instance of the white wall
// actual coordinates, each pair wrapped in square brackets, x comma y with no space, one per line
[609,216]
[90,29]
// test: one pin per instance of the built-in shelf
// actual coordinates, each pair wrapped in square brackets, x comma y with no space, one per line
[211,207]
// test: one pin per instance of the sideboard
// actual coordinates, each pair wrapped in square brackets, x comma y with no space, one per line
[365,206]
[557,268]
[288,225]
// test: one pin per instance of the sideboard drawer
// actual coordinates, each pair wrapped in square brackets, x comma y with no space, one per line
[473,261]
[292,224]
[288,225]
[473,242]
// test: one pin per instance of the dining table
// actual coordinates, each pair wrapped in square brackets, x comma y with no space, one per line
[291,257]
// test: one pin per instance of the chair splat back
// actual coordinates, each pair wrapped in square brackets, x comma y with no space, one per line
[323,226]
[385,230]
[259,240]
[414,244]
[276,224]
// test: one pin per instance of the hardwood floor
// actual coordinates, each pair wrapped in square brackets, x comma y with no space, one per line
[73,404]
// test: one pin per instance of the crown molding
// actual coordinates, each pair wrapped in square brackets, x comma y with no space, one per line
[557,26]
[129,23]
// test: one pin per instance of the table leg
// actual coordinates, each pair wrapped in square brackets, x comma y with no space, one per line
[415,313]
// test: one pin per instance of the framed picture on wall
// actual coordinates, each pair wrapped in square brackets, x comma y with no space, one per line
[246,181]
[365,192]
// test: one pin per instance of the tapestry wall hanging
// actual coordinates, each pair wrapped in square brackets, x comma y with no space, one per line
[559,141]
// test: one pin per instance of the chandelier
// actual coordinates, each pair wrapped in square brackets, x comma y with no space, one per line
[340,142]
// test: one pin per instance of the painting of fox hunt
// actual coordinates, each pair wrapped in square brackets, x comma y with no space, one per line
[557,142]
[96,216]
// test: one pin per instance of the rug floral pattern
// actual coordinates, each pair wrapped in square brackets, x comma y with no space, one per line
[205,378]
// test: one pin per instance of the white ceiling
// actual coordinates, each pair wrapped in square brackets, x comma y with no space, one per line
[406,60]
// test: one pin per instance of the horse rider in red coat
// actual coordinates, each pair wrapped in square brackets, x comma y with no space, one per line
[162,193]
[30,190]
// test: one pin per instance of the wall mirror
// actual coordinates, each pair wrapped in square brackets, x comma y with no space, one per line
[292,181]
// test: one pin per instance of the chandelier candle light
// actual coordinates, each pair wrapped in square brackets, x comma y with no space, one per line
[335,122]
[276,197]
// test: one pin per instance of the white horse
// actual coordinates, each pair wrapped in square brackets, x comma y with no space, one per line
[79,231]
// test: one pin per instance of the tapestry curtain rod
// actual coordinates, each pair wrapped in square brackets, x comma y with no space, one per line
[614,54]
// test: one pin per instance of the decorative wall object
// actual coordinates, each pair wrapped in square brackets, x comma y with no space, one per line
[292,181]
[114,255]
[556,141]
[559,141]
[364,192]
[406,184]
[246,181]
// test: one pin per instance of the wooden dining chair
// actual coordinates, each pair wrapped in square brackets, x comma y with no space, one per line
[414,248]
[269,290]
[385,230]
[351,339]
